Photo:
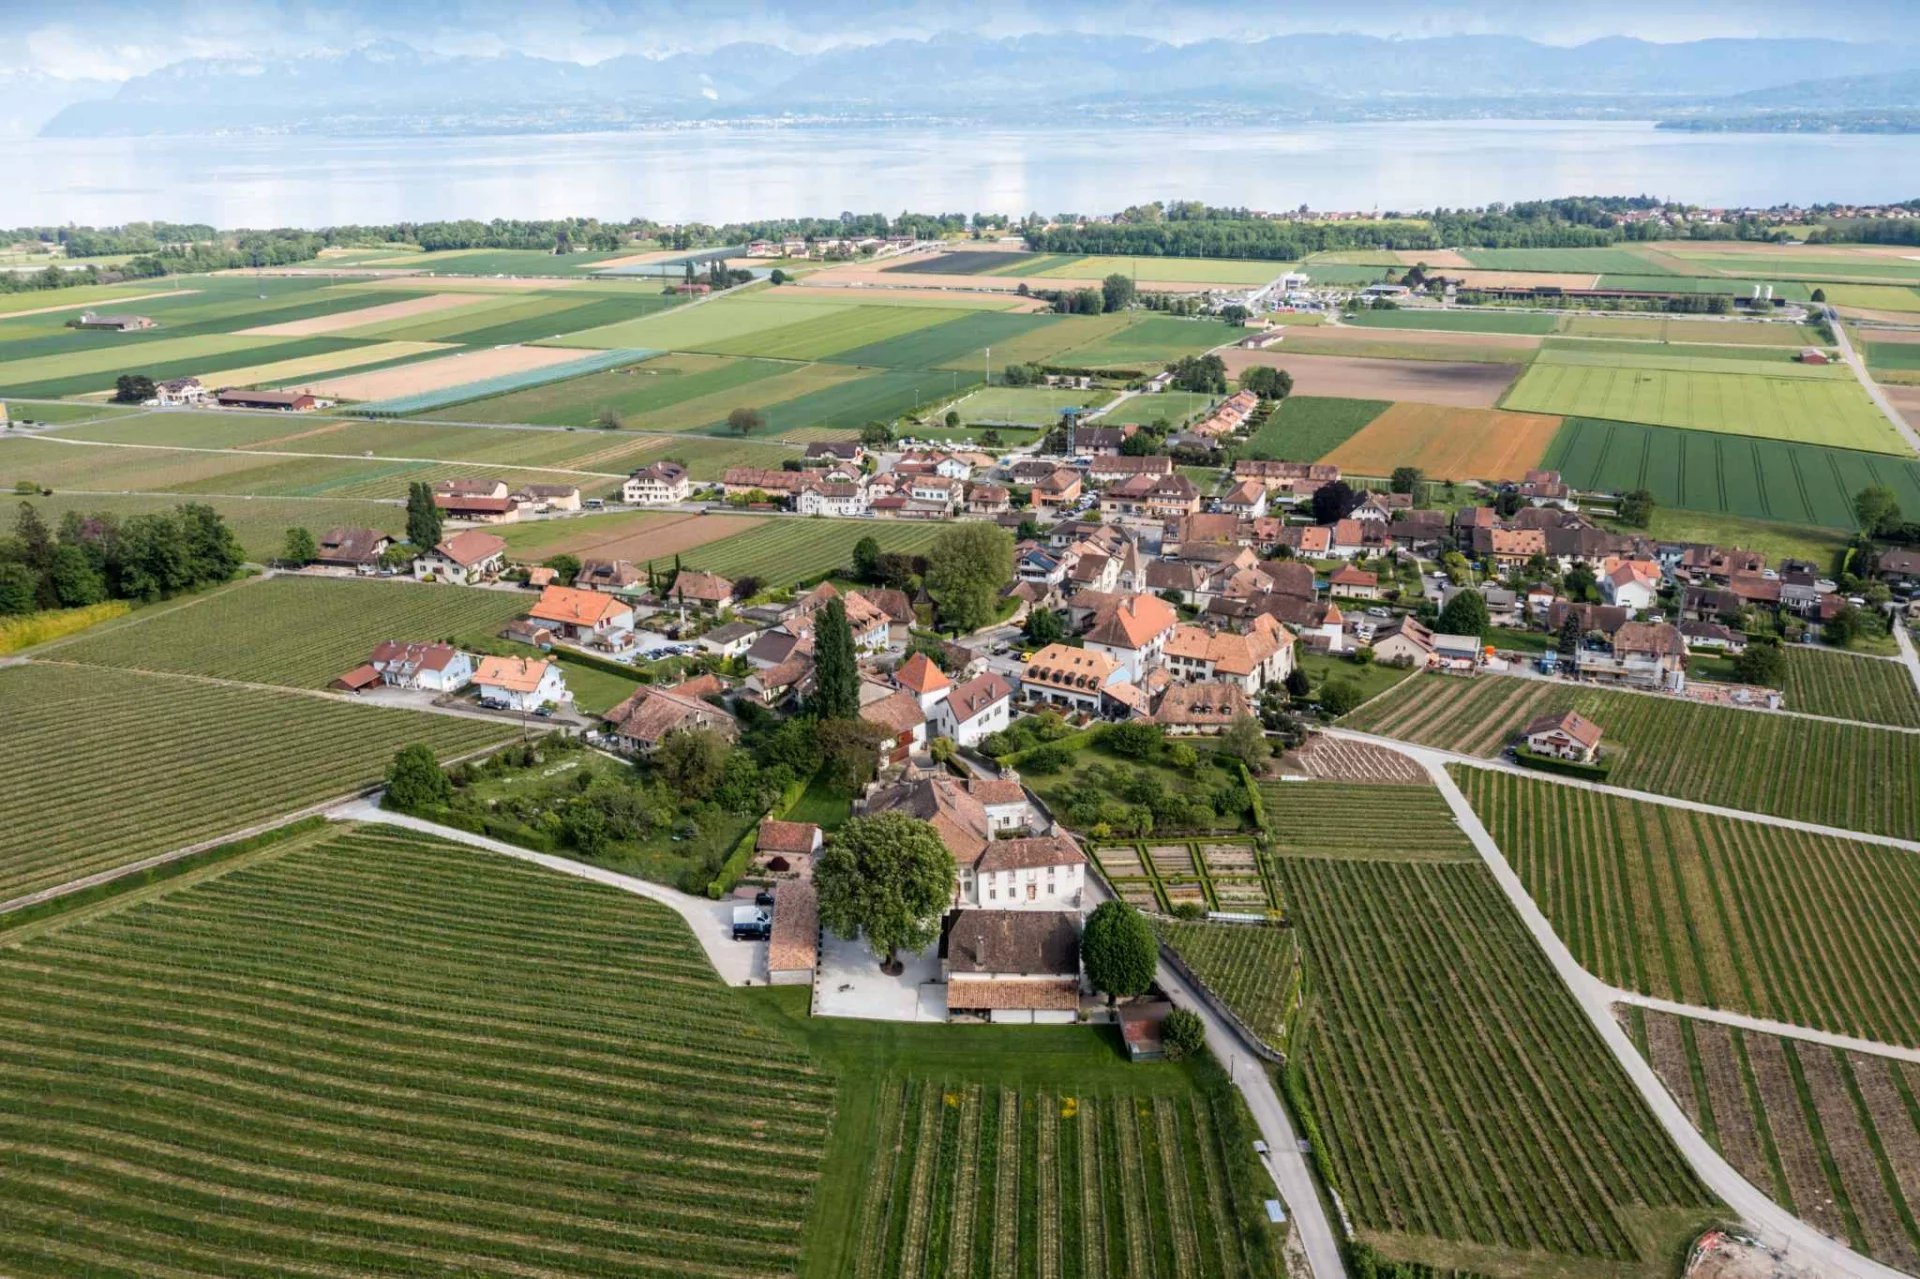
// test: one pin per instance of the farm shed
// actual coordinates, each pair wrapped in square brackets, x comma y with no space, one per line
[1020,967]
[1140,1030]
[793,950]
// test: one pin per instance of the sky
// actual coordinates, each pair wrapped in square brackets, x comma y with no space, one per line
[118,39]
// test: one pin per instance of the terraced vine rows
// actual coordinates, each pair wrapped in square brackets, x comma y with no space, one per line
[1776,765]
[972,1180]
[1833,1136]
[1253,969]
[1454,1089]
[1800,928]
[1395,821]
[297,631]
[104,767]
[382,1055]
[1873,691]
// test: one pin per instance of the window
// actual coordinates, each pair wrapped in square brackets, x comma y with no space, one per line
[1033,891]
[993,894]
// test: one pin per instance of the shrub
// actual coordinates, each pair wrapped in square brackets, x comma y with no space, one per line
[1184,1034]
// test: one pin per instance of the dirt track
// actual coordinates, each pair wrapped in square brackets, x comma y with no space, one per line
[1467,386]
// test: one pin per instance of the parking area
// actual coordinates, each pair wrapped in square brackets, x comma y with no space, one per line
[849,983]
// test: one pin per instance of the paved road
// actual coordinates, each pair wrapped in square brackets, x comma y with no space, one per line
[1801,1243]
[736,962]
[1908,658]
[1763,1025]
[1859,367]
[1642,797]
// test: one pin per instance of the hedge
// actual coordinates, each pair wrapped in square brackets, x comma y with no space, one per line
[1529,758]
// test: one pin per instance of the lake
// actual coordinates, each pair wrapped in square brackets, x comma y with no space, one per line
[732,173]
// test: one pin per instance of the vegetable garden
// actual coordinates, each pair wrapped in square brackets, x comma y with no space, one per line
[1714,911]
[1779,765]
[297,631]
[1452,1088]
[383,1055]
[1832,1136]
[105,767]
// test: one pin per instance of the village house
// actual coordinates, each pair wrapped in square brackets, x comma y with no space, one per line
[1407,642]
[786,848]
[465,559]
[793,944]
[729,639]
[435,668]
[639,724]
[476,501]
[1149,497]
[1289,481]
[1247,500]
[1038,872]
[616,576]
[520,683]
[927,683]
[972,818]
[1544,488]
[709,591]
[831,452]
[584,617]
[1112,470]
[825,498]
[1249,660]
[1349,538]
[657,484]
[1649,655]
[359,549]
[776,485]
[1898,568]
[1630,584]
[1349,582]
[1020,967]
[948,466]
[1571,736]
[988,499]
[1133,632]
[179,391]
[1714,636]
[544,498]
[1074,679]
[1201,706]
[975,708]
[1097,441]
[1056,491]
[1512,548]
[899,714]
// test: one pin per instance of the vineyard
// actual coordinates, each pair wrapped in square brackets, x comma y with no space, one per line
[105,767]
[1743,915]
[1823,682]
[381,1055]
[1341,759]
[1832,1136]
[1397,822]
[1453,1090]
[1252,969]
[1778,765]
[981,1180]
[297,631]
[783,552]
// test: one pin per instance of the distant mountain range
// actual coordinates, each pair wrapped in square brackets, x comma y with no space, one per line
[390,88]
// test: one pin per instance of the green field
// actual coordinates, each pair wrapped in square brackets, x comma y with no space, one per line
[1808,410]
[1799,266]
[1740,915]
[1023,405]
[1592,261]
[519,318]
[706,324]
[1739,288]
[1305,428]
[960,343]
[1455,321]
[1756,761]
[1777,542]
[1167,270]
[1713,472]
[819,337]
[785,551]
[296,631]
[1669,328]
[1875,297]
[1150,343]
[1456,1095]
[644,396]
[373,1054]
[204,760]
[1829,1135]
[1174,407]
[1893,355]
[94,368]
[502,261]
[1629,353]
[1872,690]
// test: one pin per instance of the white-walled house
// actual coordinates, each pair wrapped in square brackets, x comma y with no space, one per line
[465,559]
[1042,872]
[825,498]
[1133,631]
[436,668]
[520,683]
[657,484]
[976,708]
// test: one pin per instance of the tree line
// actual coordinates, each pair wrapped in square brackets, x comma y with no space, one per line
[91,558]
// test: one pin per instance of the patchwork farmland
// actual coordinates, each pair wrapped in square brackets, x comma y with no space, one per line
[1480,444]
[305,1062]
[1757,761]
[1718,912]
[1832,1136]
[297,631]
[230,757]
[1456,1096]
